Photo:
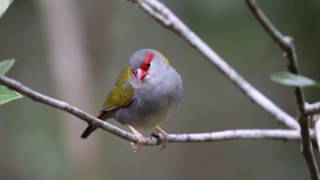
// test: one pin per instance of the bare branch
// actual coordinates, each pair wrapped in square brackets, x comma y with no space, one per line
[306,148]
[287,45]
[312,109]
[164,16]
[41,98]
[276,134]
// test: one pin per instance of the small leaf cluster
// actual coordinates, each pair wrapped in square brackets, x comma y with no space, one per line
[6,94]
[290,79]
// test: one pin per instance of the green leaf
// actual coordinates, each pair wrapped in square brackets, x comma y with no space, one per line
[289,79]
[7,95]
[4,5]
[5,65]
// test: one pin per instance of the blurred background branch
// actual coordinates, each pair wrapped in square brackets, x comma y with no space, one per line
[72,78]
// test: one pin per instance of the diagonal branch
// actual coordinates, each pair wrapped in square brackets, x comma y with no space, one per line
[287,45]
[275,134]
[164,16]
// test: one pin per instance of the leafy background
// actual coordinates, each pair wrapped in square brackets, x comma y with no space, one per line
[42,143]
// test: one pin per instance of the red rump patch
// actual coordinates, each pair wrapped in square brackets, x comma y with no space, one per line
[101,114]
[146,62]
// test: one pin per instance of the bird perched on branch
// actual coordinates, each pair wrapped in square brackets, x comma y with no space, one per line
[145,93]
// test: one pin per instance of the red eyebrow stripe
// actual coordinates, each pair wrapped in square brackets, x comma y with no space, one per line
[148,57]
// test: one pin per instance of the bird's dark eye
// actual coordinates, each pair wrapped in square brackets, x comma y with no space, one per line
[145,66]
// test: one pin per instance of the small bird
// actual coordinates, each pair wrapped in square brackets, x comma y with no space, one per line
[145,93]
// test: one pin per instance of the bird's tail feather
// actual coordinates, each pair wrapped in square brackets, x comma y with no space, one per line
[92,128]
[88,131]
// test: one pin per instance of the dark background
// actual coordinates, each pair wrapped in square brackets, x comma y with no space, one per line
[74,49]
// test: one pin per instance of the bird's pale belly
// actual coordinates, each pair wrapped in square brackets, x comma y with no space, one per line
[144,115]
[150,120]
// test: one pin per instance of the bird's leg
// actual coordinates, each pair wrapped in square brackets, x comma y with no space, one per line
[141,140]
[165,136]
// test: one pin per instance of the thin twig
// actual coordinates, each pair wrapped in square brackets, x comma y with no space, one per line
[316,120]
[307,149]
[287,45]
[164,16]
[276,134]
[312,109]
[282,40]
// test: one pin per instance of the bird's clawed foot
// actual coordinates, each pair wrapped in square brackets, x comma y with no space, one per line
[141,139]
[164,138]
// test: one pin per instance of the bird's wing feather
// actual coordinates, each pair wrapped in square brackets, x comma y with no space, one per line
[121,93]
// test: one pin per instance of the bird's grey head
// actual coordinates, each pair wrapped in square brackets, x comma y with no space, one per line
[146,60]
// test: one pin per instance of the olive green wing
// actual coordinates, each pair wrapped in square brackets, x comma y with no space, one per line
[122,92]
